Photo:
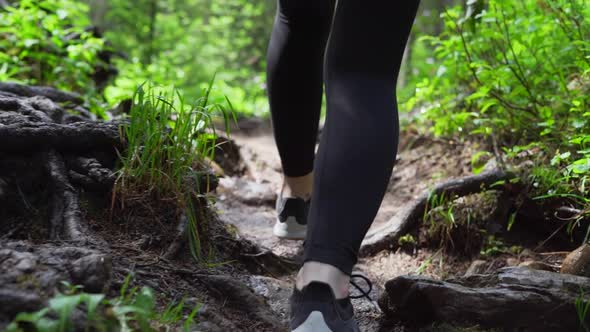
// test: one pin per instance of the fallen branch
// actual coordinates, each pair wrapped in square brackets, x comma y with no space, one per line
[387,236]
[514,299]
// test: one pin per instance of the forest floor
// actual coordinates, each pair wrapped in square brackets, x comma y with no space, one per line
[60,221]
[247,202]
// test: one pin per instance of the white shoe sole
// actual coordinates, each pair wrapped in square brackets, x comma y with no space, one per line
[314,323]
[290,229]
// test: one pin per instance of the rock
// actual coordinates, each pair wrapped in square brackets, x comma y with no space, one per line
[92,271]
[577,262]
[31,273]
[477,267]
[275,292]
[247,191]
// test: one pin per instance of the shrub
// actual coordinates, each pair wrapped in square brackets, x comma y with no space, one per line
[517,73]
[46,43]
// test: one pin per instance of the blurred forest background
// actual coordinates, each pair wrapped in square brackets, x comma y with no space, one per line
[510,78]
[515,74]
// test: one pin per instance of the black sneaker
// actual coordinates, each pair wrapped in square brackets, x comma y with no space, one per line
[316,309]
[291,218]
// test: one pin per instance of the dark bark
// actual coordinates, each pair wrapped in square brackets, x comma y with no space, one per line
[387,236]
[514,299]
[22,136]
[66,201]
[45,91]
[90,173]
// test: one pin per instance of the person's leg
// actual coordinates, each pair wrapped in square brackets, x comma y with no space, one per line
[359,143]
[295,86]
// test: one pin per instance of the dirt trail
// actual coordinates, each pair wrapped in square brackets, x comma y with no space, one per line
[247,203]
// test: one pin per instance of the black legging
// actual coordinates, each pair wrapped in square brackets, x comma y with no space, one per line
[359,142]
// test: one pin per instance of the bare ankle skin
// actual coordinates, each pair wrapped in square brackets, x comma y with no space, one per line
[331,275]
[300,186]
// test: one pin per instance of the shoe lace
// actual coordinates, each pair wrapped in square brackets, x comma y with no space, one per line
[363,293]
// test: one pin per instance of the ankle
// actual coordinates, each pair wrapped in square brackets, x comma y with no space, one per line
[300,186]
[326,273]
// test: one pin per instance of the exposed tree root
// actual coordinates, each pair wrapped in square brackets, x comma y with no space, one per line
[51,148]
[254,258]
[45,91]
[514,299]
[387,236]
[69,207]
[180,239]
[80,136]
[90,173]
[238,296]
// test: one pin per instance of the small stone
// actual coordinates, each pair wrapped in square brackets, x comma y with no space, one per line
[577,262]
[25,265]
[511,262]
[477,267]
[92,271]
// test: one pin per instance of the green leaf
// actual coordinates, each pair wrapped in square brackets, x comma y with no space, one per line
[145,299]
[64,305]
[477,164]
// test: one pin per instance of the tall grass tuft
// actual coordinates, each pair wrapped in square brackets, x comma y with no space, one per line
[168,139]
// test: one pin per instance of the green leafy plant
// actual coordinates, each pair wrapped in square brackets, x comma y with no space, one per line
[407,239]
[134,310]
[493,246]
[516,74]
[441,218]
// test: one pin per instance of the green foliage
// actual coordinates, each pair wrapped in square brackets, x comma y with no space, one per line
[458,225]
[168,139]
[439,215]
[516,73]
[407,239]
[45,42]
[184,43]
[134,310]
[507,77]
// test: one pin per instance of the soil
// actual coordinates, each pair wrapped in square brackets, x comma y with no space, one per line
[246,276]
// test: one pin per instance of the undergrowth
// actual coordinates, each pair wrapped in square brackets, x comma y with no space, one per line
[134,309]
[457,225]
[168,141]
[499,77]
